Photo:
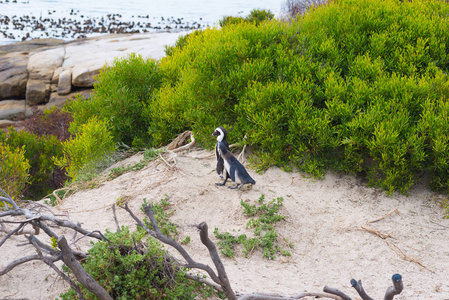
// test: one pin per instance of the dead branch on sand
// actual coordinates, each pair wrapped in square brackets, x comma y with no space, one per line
[392,245]
[218,278]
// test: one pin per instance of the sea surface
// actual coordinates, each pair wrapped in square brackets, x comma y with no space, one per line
[72,19]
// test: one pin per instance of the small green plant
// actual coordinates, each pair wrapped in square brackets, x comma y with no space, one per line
[186,240]
[263,218]
[161,214]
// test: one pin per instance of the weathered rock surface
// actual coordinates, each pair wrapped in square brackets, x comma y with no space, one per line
[35,70]
[14,110]
[6,123]
[13,75]
[37,92]
[65,82]
[42,65]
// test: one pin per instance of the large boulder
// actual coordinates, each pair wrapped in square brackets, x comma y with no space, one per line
[14,110]
[42,64]
[13,75]
[37,92]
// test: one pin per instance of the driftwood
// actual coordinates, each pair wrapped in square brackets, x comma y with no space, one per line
[218,278]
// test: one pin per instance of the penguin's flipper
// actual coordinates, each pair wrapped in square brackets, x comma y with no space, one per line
[231,172]
[220,165]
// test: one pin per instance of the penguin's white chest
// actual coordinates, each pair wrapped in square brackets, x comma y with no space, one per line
[228,168]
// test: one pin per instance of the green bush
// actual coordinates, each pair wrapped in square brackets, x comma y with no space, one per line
[13,170]
[358,86]
[92,143]
[121,92]
[45,175]
[130,267]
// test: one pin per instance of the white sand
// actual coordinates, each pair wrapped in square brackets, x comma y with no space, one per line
[324,222]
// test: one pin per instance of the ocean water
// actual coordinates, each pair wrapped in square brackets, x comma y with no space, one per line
[71,19]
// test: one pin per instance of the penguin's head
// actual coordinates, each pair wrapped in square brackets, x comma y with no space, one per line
[222,148]
[220,133]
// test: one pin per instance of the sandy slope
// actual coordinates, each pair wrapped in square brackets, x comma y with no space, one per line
[324,222]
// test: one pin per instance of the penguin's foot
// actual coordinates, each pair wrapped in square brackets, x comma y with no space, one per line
[222,183]
[237,186]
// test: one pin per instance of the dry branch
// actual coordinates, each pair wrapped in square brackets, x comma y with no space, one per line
[81,275]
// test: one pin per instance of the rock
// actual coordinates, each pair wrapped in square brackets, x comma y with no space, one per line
[37,92]
[6,123]
[65,82]
[14,110]
[42,65]
[26,46]
[13,75]
[59,101]
[84,75]
[56,73]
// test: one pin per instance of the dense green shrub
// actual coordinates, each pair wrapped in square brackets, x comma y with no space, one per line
[92,143]
[121,92]
[355,85]
[127,271]
[45,175]
[13,170]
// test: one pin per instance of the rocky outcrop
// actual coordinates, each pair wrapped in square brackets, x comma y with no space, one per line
[13,75]
[14,110]
[49,71]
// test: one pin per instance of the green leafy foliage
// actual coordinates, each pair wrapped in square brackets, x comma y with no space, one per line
[358,86]
[263,217]
[130,267]
[13,170]
[38,150]
[92,143]
[121,92]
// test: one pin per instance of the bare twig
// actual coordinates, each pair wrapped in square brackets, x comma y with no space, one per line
[379,234]
[115,218]
[383,217]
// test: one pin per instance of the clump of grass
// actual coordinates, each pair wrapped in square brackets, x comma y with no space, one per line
[263,217]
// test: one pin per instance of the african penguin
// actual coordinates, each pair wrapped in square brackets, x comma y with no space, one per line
[235,169]
[221,133]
